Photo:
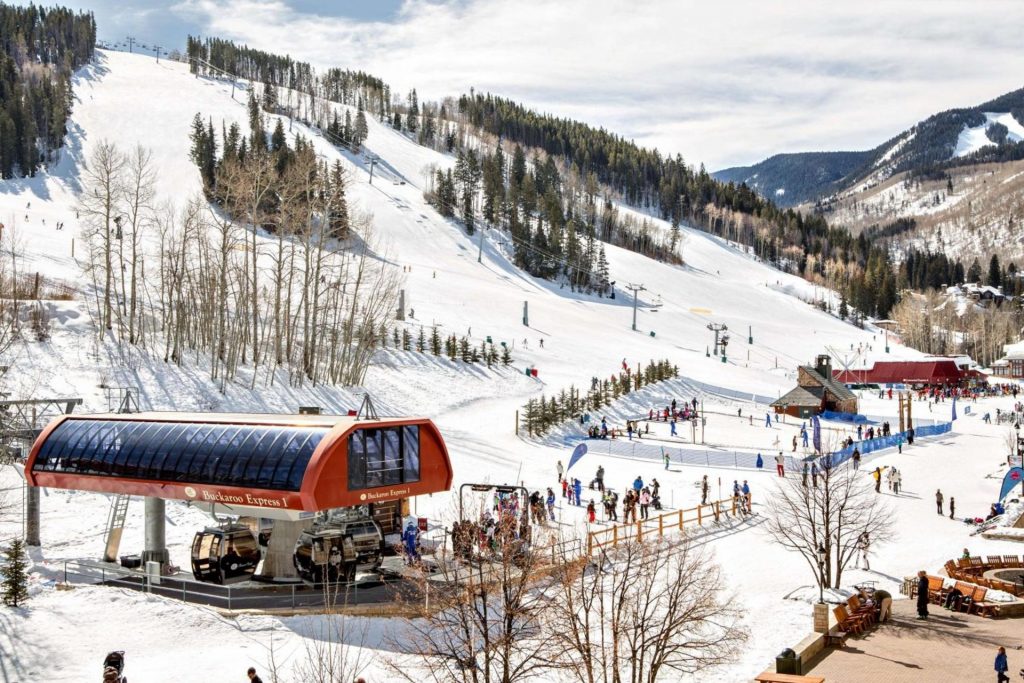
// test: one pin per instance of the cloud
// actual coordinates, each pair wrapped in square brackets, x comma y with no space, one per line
[720,83]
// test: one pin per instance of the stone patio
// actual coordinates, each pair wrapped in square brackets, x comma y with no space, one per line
[948,646]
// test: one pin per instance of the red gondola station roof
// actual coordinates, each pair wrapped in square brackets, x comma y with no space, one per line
[283,463]
[922,372]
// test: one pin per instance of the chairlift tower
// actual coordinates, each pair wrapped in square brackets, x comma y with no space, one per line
[718,328]
[636,289]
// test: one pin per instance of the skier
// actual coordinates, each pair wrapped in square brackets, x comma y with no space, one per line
[814,474]
[780,461]
[665,455]
[736,496]
[952,507]
[638,484]
[577,487]
[746,496]
[794,443]
[860,432]
[673,427]
[803,480]
[760,461]
[704,490]
[561,471]
[767,419]
[897,481]
[565,488]
[409,538]
[551,504]
[645,502]
[877,474]
[856,459]
[938,500]
[591,511]
[803,434]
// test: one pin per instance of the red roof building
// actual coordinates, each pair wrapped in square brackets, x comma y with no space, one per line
[917,373]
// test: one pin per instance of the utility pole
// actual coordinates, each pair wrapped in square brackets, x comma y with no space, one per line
[480,253]
[636,289]
[157,49]
[373,160]
[131,42]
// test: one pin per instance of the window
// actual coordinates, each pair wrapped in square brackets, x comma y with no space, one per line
[383,457]
[254,456]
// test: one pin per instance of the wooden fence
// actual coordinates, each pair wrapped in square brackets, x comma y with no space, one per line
[669,521]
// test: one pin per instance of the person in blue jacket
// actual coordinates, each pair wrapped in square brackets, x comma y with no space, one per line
[760,461]
[409,538]
[638,484]
[767,419]
[1001,666]
[577,488]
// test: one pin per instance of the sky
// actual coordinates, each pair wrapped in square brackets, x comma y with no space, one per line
[721,83]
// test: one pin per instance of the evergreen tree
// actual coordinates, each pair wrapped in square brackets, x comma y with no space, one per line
[359,130]
[412,113]
[15,574]
[269,98]
[844,311]
[506,355]
[973,273]
[994,272]
[435,341]
[406,340]
[421,341]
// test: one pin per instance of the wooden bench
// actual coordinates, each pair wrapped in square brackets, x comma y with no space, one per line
[836,639]
[772,677]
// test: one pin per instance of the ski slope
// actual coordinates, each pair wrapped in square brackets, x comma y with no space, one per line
[133,100]
[974,138]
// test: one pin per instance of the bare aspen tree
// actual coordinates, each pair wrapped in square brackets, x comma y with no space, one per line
[98,203]
[832,515]
[483,624]
[642,612]
[137,192]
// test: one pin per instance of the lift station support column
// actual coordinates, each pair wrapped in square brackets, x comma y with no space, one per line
[156,532]
[32,516]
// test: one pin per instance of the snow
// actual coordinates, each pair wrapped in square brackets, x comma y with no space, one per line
[972,139]
[780,192]
[132,99]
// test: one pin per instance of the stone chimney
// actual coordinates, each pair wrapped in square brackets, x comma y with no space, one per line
[823,364]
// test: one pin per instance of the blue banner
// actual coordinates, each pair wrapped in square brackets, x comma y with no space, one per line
[954,409]
[577,453]
[816,424]
[1012,478]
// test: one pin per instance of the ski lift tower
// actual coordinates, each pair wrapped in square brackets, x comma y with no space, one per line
[718,328]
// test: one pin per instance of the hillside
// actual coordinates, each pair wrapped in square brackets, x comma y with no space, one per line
[952,135]
[570,338]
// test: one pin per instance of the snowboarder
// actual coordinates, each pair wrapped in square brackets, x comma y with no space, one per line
[780,461]
[704,490]
[952,507]
[560,469]
[938,500]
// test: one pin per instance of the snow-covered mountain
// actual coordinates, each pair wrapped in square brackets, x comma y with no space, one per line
[990,131]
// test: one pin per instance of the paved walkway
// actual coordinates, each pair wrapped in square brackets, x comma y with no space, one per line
[947,647]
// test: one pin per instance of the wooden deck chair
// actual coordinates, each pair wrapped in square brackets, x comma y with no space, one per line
[848,622]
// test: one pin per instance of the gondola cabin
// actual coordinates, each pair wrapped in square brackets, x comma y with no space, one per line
[335,551]
[225,555]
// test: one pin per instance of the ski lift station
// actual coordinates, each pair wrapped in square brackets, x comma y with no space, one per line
[319,491]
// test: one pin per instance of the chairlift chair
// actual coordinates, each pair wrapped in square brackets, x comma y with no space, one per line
[225,554]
